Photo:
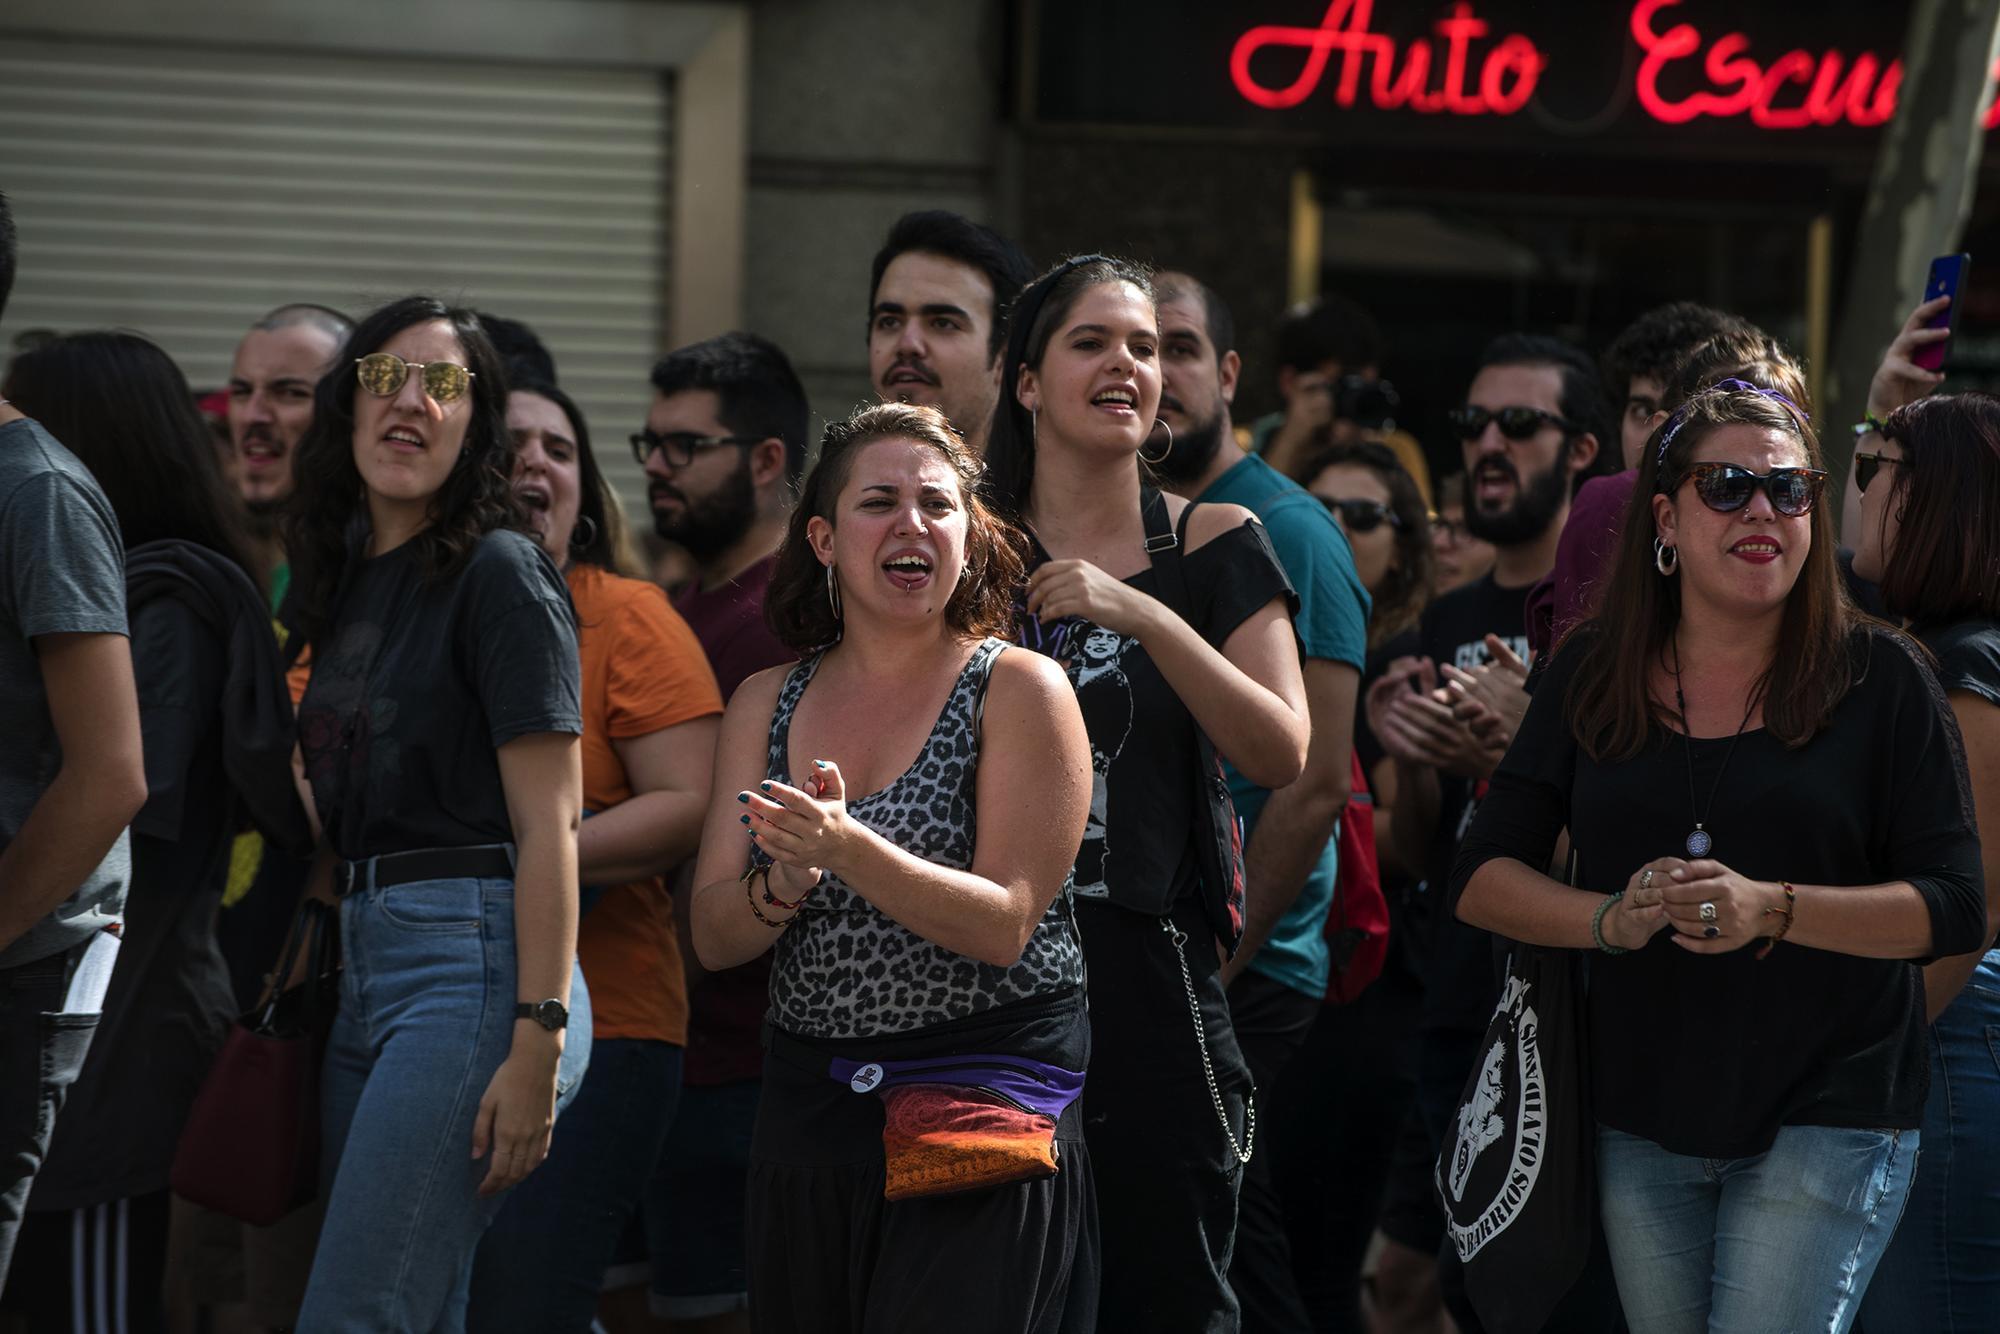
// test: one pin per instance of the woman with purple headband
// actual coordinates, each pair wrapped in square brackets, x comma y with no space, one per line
[1770,814]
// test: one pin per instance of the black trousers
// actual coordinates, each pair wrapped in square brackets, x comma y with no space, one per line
[1167,1178]
[41,1052]
[1272,1024]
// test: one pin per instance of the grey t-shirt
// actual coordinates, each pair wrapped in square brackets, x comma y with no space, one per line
[62,571]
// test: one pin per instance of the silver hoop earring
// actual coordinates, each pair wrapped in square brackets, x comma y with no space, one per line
[577,541]
[1162,455]
[1666,557]
[832,593]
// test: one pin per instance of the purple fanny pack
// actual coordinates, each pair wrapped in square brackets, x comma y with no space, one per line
[1033,1085]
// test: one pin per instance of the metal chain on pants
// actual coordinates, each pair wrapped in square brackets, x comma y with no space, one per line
[1249,1144]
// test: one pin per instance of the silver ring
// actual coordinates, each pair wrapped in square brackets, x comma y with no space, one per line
[1708,912]
[1711,931]
[1646,878]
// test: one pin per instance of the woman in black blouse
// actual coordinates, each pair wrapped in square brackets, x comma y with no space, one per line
[1930,482]
[1167,1108]
[1772,823]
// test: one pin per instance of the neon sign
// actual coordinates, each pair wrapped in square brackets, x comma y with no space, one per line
[1507,73]
[1797,90]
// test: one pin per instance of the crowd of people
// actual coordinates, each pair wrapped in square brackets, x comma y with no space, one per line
[1048,866]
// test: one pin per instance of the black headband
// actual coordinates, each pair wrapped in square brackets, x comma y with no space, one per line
[1028,309]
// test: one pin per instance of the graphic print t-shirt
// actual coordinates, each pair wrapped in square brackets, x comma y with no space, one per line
[420,684]
[1138,847]
[1461,979]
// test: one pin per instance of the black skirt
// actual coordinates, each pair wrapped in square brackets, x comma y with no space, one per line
[828,1254]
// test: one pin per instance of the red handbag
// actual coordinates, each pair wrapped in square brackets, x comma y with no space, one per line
[251,1146]
[1357,924]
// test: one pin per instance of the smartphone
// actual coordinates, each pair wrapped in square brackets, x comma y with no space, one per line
[1949,276]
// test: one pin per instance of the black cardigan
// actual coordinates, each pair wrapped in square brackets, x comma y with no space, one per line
[1710,1055]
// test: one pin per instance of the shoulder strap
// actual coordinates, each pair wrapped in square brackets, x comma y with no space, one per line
[1166,543]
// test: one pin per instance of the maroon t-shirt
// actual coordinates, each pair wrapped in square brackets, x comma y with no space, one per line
[726,1009]
[1584,554]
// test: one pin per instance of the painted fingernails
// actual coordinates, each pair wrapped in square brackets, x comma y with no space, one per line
[764,786]
[819,764]
[743,797]
[746,819]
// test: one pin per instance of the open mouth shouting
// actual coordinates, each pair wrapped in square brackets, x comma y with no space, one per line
[905,378]
[534,497]
[909,569]
[260,453]
[1494,480]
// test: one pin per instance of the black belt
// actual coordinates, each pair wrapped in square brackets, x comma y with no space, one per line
[490,862]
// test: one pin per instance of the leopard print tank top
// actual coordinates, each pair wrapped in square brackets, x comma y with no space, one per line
[843,969]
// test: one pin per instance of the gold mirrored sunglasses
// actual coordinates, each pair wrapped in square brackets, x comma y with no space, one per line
[384,374]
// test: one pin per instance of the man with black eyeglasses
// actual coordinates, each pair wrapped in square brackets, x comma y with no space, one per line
[1530,429]
[723,448]
[1278,978]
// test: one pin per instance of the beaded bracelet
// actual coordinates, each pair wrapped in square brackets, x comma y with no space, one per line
[1791,907]
[750,896]
[1869,422]
[1597,926]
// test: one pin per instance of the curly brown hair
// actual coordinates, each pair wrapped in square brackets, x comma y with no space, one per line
[796,603]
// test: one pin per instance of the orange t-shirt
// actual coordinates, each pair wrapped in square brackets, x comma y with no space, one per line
[643,670]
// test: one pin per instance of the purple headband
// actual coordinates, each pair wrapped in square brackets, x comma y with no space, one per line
[1679,419]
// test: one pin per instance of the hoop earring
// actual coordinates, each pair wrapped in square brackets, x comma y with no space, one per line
[578,543]
[1666,557]
[832,593]
[1162,455]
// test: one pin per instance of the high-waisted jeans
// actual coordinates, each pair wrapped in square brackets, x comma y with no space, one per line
[1942,1272]
[1783,1241]
[426,1017]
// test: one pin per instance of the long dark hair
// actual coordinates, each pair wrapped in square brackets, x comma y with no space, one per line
[595,499]
[1038,312]
[796,602]
[1611,708]
[120,404]
[1409,583]
[476,499]
[1946,564]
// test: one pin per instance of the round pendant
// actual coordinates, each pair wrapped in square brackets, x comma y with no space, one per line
[1699,843]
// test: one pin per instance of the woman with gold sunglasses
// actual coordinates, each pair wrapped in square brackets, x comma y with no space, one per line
[439,737]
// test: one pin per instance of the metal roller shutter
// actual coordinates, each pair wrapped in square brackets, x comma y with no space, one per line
[184,191]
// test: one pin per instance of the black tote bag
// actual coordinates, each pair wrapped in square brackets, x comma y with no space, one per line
[1518,1171]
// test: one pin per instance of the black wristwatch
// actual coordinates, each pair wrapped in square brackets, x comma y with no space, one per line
[550,1014]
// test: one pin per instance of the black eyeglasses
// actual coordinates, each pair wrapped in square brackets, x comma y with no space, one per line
[1726,488]
[1867,465]
[680,447]
[1362,516]
[1453,531]
[1516,423]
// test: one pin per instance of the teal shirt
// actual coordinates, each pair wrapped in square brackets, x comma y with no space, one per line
[1332,623]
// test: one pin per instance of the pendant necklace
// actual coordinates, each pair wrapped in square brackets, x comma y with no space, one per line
[1700,843]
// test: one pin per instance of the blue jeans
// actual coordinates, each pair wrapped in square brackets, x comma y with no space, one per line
[1783,1241]
[542,1263]
[41,1053]
[426,1016]
[1942,1272]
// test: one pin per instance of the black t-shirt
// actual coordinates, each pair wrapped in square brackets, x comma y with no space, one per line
[1968,657]
[1138,839]
[420,683]
[1460,974]
[1708,1055]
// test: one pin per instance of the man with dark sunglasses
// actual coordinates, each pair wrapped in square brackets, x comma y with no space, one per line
[1532,424]
[1280,972]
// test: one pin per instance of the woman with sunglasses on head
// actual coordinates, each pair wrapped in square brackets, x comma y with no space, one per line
[1767,801]
[650,707]
[439,737]
[894,820]
[1930,491]
[1168,1107]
